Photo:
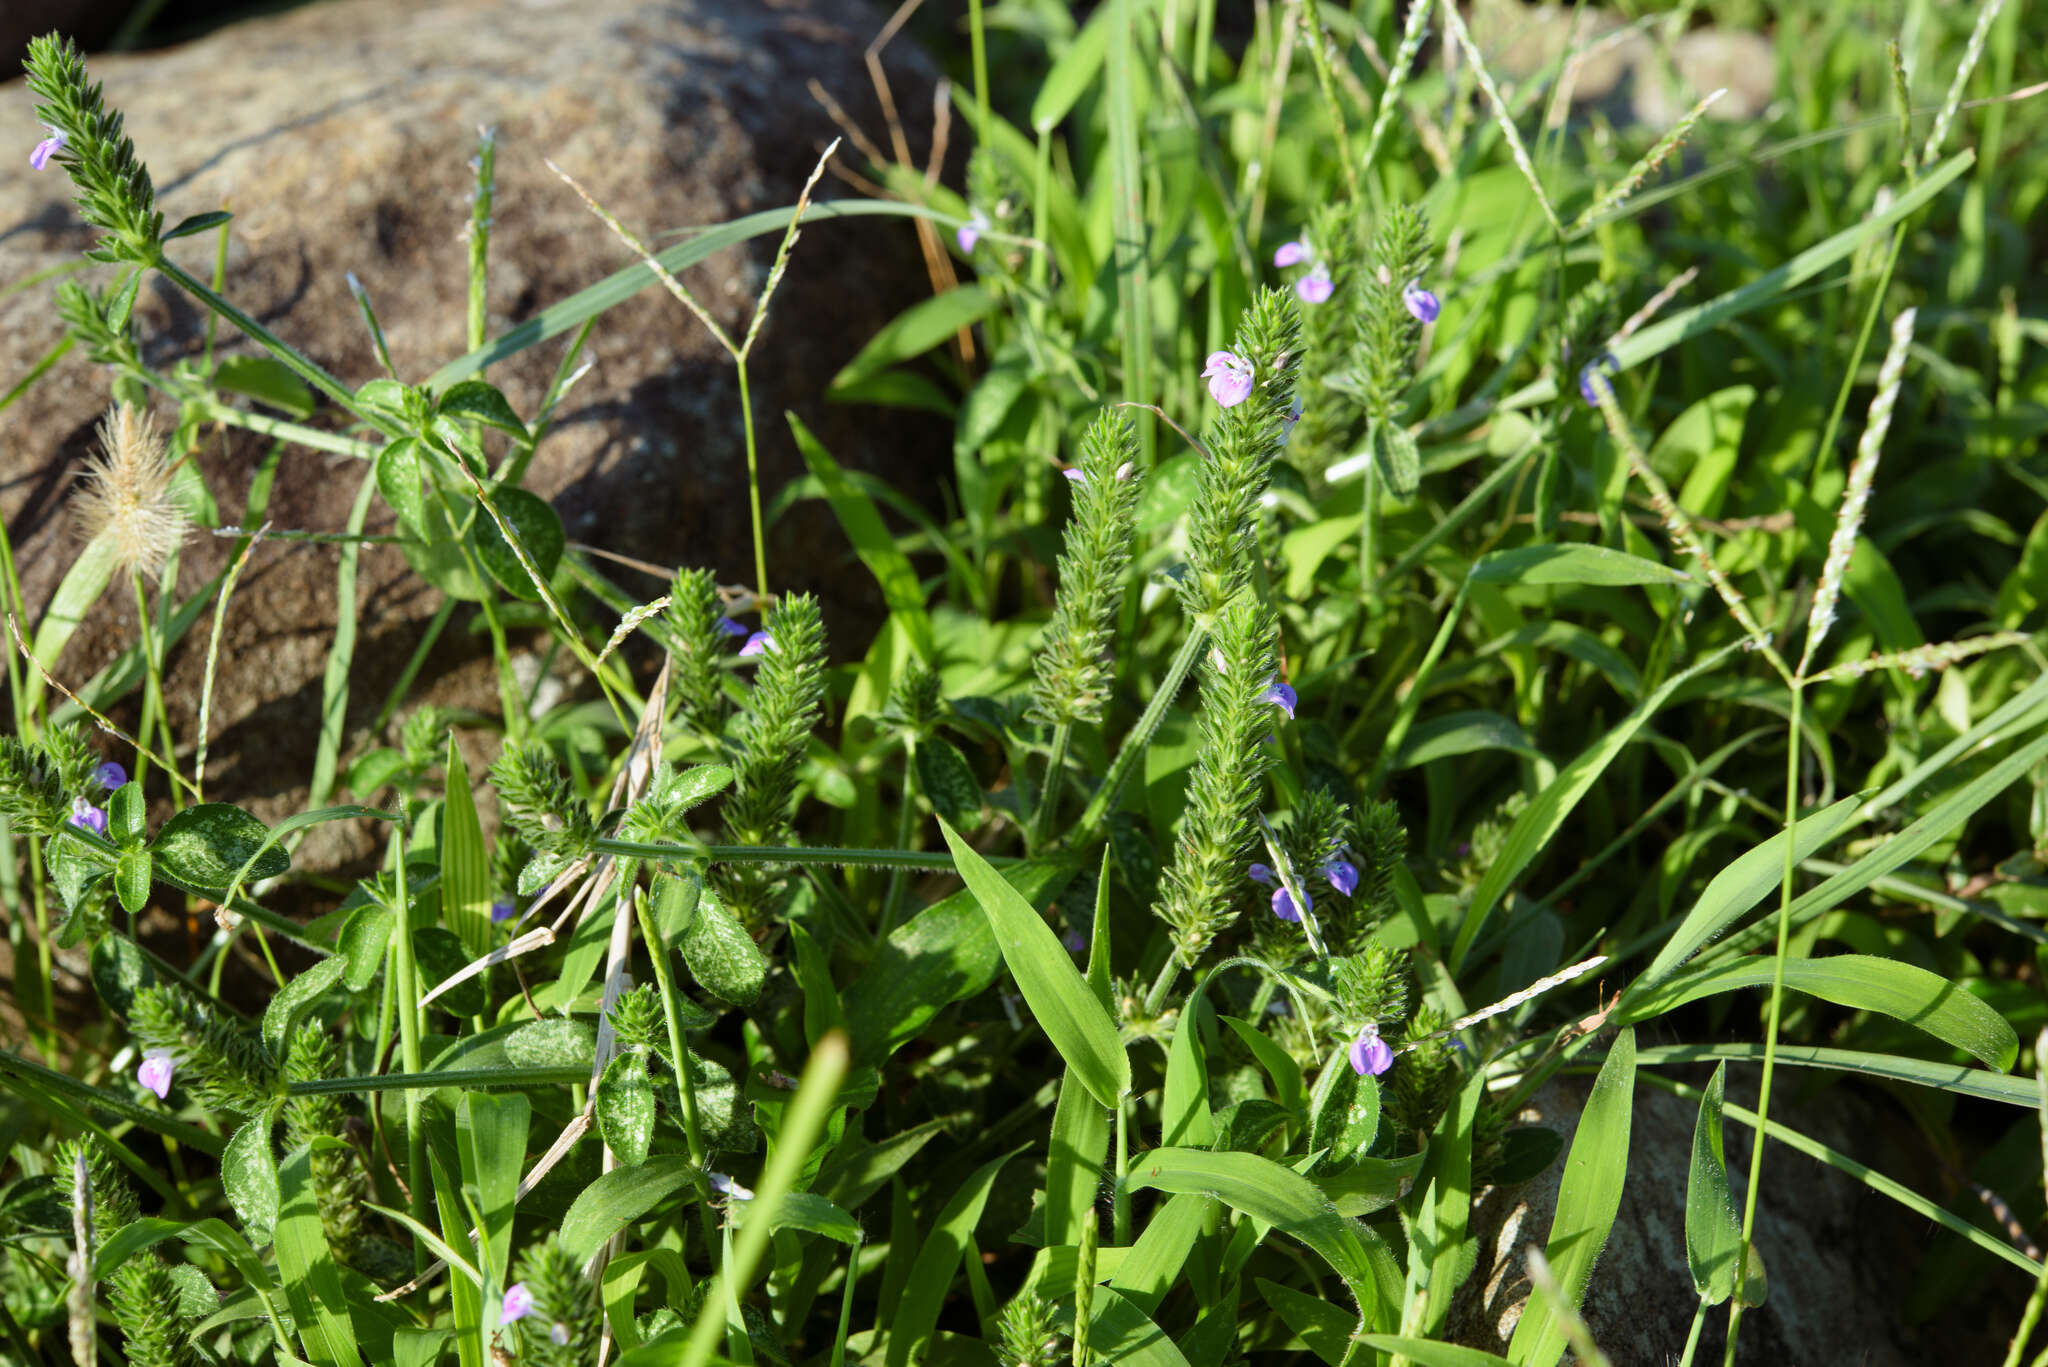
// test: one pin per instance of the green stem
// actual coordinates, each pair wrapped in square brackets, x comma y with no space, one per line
[1763,1100]
[1168,971]
[657,950]
[978,40]
[153,684]
[405,974]
[1049,795]
[1120,1194]
[312,438]
[297,363]
[936,862]
[906,816]
[1140,736]
[754,490]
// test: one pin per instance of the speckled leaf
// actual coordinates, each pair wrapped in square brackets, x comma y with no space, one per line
[131,880]
[119,971]
[207,845]
[1346,1108]
[946,780]
[248,1177]
[625,1107]
[722,957]
[295,998]
[540,535]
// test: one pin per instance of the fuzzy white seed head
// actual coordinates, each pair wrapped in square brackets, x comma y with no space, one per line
[126,499]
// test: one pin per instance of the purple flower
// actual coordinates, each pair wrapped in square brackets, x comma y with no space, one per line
[1282,696]
[1316,286]
[518,1303]
[1421,303]
[1605,360]
[1287,423]
[1229,377]
[1342,876]
[1284,908]
[760,643]
[1076,474]
[502,910]
[970,232]
[155,1072]
[726,1186]
[1369,1053]
[728,627]
[110,776]
[1073,942]
[88,817]
[47,148]
[1259,873]
[1291,254]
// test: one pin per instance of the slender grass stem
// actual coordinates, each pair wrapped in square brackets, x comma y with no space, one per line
[754,490]
[1049,794]
[1763,1100]
[406,991]
[657,952]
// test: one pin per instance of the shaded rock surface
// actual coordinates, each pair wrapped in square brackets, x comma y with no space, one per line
[1840,1258]
[339,134]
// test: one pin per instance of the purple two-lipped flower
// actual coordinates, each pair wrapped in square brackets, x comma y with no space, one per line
[1604,361]
[155,1072]
[1422,305]
[518,1303]
[1292,254]
[1315,287]
[1283,901]
[760,643]
[110,776]
[1342,875]
[1369,1053]
[87,817]
[1230,378]
[1281,695]
[48,147]
[728,627]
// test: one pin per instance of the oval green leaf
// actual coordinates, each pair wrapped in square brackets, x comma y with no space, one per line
[207,845]
[540,535]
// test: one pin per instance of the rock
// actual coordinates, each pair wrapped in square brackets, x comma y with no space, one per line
[339,134]
[1839,1257]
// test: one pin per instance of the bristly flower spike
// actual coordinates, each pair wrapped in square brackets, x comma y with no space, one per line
[1073,676]
[127,498]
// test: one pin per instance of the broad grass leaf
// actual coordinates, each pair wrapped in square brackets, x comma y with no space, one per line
[1588,1198]
[1070,1014]
[1322,1328]
[1184,1115]
[1269,1192]
[82,586]
[1123,1334]
[307,1270]
[1944,1009]
[1740,886]
[916,1315]
[207,846]
[1156,1262]
[266,380]
[1428,1353]
[625,1107]
[1546,814]
[465,862]
[1575,563]
[811,1213]
[1074,1161]
[620,1197]
[915,331]
[1977,1082]
[1278,1063]
[490,1135]
[1713,1232]
[1073,71]
[1461,733]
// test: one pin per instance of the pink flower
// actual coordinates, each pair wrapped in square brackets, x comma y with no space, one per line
[970,232]
[518,1303]
[1316,286]
[47,148]
[155,1072]
[760,643]
[87,817]
[1229,377]
[1291,254]
[1369,1053]
[1422,305]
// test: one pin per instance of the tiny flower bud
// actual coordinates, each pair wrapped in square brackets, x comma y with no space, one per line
[155,1072]
[1604,361]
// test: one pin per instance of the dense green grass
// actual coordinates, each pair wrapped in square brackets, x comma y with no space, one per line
[1633,628]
